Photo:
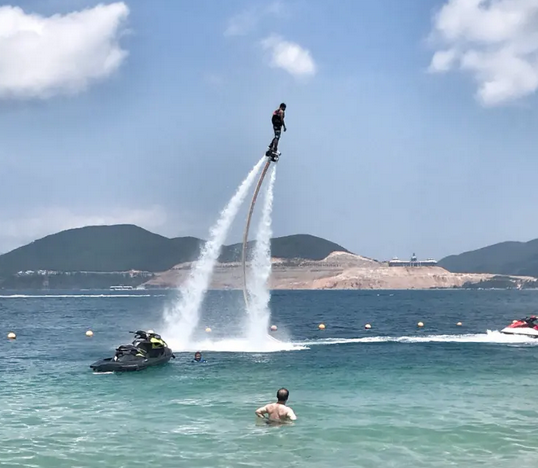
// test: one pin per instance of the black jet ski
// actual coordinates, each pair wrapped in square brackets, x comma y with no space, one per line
[148,349]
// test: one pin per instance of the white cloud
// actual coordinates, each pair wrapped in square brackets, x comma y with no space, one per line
[247,20]
[242,23]
[62,54]
[494,40]
[289,56]
[21,230]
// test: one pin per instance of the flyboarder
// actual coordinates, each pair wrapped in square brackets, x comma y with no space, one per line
[278,123]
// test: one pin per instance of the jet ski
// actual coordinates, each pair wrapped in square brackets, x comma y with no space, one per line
[527,326]
[148,349]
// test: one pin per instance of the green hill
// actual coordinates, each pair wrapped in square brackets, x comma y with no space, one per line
[129,247]
[506,258]
[297,246]
[101,248]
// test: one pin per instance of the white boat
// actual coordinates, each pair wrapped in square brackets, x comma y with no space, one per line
[526,327]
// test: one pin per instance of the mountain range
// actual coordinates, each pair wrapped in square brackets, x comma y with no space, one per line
[506,258]
[127,247]
[97,257]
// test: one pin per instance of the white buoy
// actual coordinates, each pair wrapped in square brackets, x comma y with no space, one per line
[459,324]
[420,324]
[11,336]
[89,333]
[208,330]
[368,326]
[321,326]
[274,328]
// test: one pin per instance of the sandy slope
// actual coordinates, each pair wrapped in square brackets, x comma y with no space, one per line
[338,271]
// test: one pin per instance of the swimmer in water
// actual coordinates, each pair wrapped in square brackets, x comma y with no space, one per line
[277,412]
[198,357]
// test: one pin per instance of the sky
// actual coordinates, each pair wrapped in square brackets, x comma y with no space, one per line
[412,126]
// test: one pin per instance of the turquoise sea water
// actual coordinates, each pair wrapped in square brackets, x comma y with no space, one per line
[392,396]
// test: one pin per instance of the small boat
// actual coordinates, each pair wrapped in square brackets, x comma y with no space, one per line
[148,349]
[527,326]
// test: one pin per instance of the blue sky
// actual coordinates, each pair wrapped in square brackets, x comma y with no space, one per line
[411,125]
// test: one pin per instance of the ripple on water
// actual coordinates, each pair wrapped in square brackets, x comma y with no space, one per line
[392,398]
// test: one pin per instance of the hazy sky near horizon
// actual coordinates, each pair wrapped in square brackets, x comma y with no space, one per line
[412,126]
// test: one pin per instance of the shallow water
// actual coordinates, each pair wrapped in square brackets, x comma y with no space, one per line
[392,396]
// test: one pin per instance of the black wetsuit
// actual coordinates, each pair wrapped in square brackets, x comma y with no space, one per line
[278,122]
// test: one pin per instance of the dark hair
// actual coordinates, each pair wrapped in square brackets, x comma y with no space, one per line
[282,394]
[283,106]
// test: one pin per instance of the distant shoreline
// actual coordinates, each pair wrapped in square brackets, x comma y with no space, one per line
[178,289]
[129,257]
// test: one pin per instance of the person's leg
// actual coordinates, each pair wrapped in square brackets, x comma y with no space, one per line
[276,139]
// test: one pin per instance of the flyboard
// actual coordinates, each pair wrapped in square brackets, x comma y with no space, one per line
[245,234]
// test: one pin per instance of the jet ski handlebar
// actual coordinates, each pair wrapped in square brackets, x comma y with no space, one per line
[144,333]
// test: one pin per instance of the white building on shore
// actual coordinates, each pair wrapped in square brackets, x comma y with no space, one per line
[413,262]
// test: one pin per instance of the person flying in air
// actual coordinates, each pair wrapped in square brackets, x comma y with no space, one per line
[278,124]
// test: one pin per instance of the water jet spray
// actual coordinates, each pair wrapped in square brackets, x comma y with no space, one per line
[247,227]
